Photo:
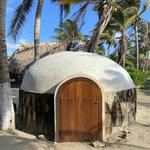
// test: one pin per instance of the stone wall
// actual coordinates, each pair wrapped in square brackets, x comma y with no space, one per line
[37,113]
[120,109]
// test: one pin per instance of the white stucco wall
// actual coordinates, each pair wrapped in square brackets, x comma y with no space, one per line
[47,73]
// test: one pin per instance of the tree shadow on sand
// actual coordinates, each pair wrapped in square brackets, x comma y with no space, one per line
[120,146]
[11,142]
[144,104]
[141,124]
[144,92]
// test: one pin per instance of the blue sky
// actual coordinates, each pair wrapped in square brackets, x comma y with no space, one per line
[50,20]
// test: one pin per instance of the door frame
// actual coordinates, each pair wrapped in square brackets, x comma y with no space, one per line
[56,110]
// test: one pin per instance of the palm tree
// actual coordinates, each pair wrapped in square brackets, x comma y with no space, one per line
[6,104]
[137,21]
[37,29]
[108,37]
[19,19]
[20,16]
[24,8]
[121,20]
[70,1]
[104,10]
[144,44]
[68,32]
[137,45]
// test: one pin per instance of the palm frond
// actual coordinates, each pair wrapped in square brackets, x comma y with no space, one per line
[64,11]
[130,11]
[131,14]
[61,15]
[119,17]
[81,12]
[19,18]
[68,31]
[70,1]
[134,3]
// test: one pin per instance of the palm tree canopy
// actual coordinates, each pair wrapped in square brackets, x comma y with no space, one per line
[19,17]
[123,18]
[70,1]
[68,31]
[109,37]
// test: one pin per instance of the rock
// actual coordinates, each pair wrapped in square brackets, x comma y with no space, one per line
[126,131]
[41,137]
[123,136]
[98,144]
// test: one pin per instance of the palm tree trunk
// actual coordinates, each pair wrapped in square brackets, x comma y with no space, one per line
[137,46]
[122,51]
[147,61]
[6,104]
[37,29]
[102,23]
[108,54]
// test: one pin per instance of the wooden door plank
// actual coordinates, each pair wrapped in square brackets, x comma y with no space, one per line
[80,118]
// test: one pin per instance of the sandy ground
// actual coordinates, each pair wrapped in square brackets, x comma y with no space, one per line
[137,139]
[139,136]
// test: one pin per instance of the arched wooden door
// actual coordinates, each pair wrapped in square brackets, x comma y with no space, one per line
[79,106]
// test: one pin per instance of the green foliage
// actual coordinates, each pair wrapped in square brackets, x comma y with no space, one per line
[71,1]
[123,18]
[130,60]
[21,75]
[68,31]
[138,76]
[146,84]
[19,17]
[100,50]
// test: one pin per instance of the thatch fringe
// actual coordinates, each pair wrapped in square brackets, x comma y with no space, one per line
[23,57]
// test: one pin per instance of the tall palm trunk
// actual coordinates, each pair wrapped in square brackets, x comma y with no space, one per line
[137,46]
[105,13]
[108,53]
[37,29]
[6,104]
[122,51]
[147,61]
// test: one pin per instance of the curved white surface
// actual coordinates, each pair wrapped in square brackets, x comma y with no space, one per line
[47,73]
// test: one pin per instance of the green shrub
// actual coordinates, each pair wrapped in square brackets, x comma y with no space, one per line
[138,76]
[146,84]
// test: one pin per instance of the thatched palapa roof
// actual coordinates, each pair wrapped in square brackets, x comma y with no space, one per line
[23,57]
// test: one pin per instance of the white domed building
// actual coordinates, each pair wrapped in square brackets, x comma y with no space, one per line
[77,96]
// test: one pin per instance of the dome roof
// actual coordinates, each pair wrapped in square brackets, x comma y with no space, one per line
[48,72]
